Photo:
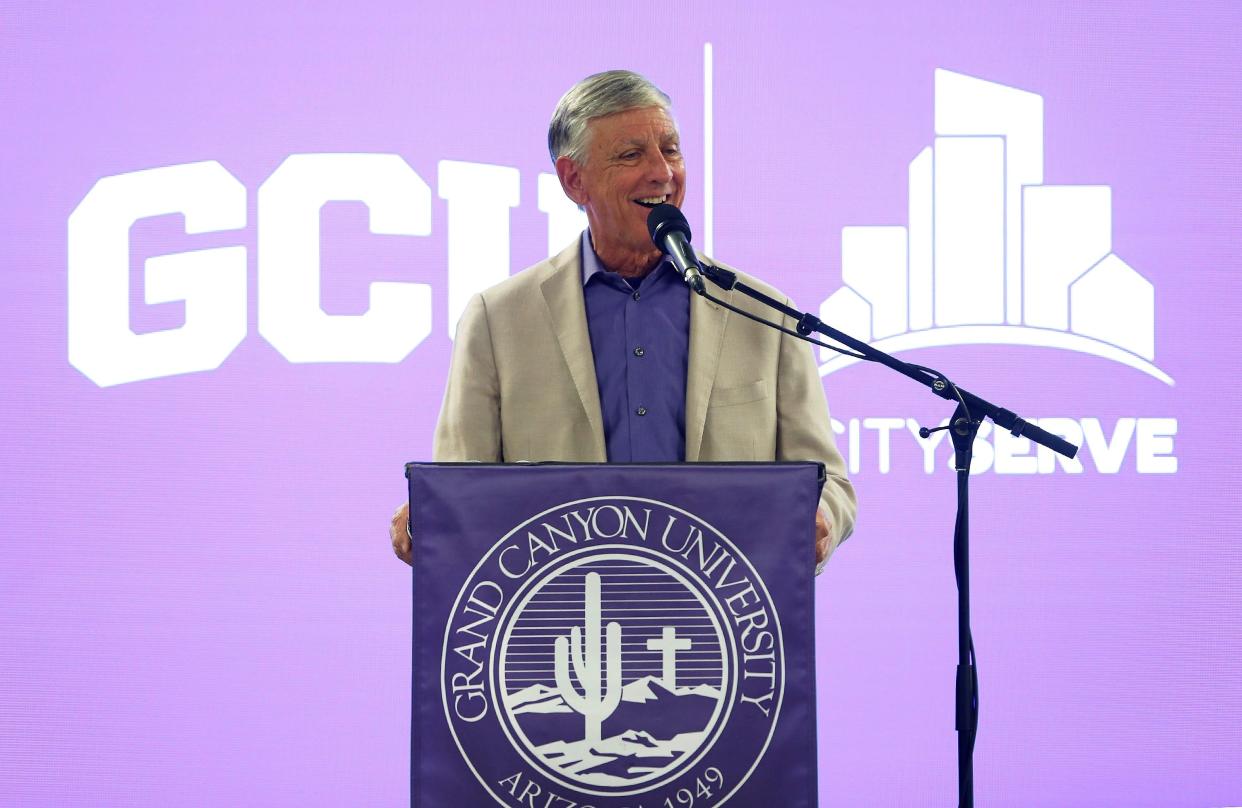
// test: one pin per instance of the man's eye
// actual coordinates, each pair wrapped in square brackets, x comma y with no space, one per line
[629,155]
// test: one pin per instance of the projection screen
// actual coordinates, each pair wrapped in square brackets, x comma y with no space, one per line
[236,241]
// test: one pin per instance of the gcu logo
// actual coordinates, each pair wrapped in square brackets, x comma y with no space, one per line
[613,652]
[213,284]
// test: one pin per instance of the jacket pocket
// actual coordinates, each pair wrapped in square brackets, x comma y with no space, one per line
[739,394]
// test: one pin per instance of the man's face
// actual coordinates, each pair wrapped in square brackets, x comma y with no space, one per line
[633,163]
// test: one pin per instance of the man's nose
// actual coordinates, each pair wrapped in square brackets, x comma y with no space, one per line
[658,167]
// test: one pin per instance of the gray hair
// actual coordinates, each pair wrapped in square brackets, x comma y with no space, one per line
[595,96]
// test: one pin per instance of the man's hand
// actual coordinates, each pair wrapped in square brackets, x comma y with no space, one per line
[822,542]
[399,532]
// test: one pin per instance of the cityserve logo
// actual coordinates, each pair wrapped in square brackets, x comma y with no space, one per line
[992,255]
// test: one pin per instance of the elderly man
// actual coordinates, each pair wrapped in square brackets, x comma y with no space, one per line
[602,353]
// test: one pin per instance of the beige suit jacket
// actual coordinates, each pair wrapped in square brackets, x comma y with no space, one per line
[522,385]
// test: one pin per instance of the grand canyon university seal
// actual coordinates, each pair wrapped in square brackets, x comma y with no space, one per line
[613,652]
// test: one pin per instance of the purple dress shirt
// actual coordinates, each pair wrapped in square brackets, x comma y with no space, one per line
[640,339]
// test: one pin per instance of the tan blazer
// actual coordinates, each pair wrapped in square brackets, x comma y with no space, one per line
[522,385]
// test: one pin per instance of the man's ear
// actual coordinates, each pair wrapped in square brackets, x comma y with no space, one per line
[570,174]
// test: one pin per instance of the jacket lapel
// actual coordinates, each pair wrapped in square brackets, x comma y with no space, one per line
[707,323]
[562,293]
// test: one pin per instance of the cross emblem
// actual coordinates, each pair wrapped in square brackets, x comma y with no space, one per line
[669,645]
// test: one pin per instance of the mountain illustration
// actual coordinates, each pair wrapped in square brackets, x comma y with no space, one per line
[650,729]
[621,759]
[537,699]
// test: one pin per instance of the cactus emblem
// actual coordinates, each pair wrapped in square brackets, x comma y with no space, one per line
[600,695]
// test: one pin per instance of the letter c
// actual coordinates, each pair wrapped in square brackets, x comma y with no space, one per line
[290,315]
[500,561]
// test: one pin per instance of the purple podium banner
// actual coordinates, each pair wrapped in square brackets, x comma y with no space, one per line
[613,635]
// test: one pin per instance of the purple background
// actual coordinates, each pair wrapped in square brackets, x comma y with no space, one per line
[198,605]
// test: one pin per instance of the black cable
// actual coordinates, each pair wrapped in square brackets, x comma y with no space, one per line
[971,729]
[974,691]
[943,378]
[781,328]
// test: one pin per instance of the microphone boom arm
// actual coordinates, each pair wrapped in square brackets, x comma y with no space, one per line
[808,324]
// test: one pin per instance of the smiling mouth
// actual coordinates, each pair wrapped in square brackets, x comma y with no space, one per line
[651,201]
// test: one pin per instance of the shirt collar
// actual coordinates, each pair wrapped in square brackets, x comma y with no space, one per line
[591,264]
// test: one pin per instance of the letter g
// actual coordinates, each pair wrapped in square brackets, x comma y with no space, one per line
[212,282]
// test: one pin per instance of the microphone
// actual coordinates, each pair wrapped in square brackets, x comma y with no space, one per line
[671,233]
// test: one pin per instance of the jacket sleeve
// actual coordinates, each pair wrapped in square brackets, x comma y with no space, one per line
[469,424]
[804,432]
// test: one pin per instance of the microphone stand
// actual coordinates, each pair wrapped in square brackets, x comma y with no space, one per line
[963,426]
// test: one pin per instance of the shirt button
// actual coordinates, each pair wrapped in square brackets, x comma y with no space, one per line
[640,411]
[637,294]
[639,351]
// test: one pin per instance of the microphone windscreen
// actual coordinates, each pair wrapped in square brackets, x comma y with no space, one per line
[665,218]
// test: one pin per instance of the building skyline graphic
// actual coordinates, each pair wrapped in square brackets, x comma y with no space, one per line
[990,254]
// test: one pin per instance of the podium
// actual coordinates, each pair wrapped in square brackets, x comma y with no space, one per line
[607,635]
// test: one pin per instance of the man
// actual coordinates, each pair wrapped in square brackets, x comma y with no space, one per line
[602,353]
